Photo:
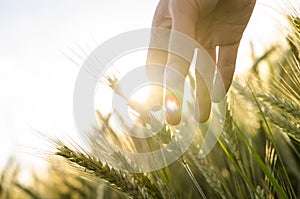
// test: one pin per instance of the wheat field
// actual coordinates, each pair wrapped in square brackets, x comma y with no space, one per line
[257,154]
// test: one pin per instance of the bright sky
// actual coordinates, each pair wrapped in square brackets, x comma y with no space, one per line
[36,78]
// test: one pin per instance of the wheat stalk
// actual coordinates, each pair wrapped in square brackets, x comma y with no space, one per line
[229,135]
[134,185]
[284,123]
[282,104]
[208,172]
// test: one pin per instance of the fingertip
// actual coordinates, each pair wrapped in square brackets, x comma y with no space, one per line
[173,108]
[202,109]
[219,92]
[203,100]
[218,96]
[202,118]
[172,119]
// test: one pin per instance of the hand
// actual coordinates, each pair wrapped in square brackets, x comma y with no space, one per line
[211,23]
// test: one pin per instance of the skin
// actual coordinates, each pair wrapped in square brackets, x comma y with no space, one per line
[211,23]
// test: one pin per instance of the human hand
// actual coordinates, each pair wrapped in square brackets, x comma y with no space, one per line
[211,23]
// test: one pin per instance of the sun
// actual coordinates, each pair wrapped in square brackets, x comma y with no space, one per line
[172,104]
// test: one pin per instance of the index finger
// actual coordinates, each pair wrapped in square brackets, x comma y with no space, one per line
[157,57]
[184,16]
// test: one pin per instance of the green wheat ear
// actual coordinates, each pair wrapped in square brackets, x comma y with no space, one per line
[134,185]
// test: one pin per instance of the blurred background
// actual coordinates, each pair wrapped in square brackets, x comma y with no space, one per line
[42,47]
[44,43]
